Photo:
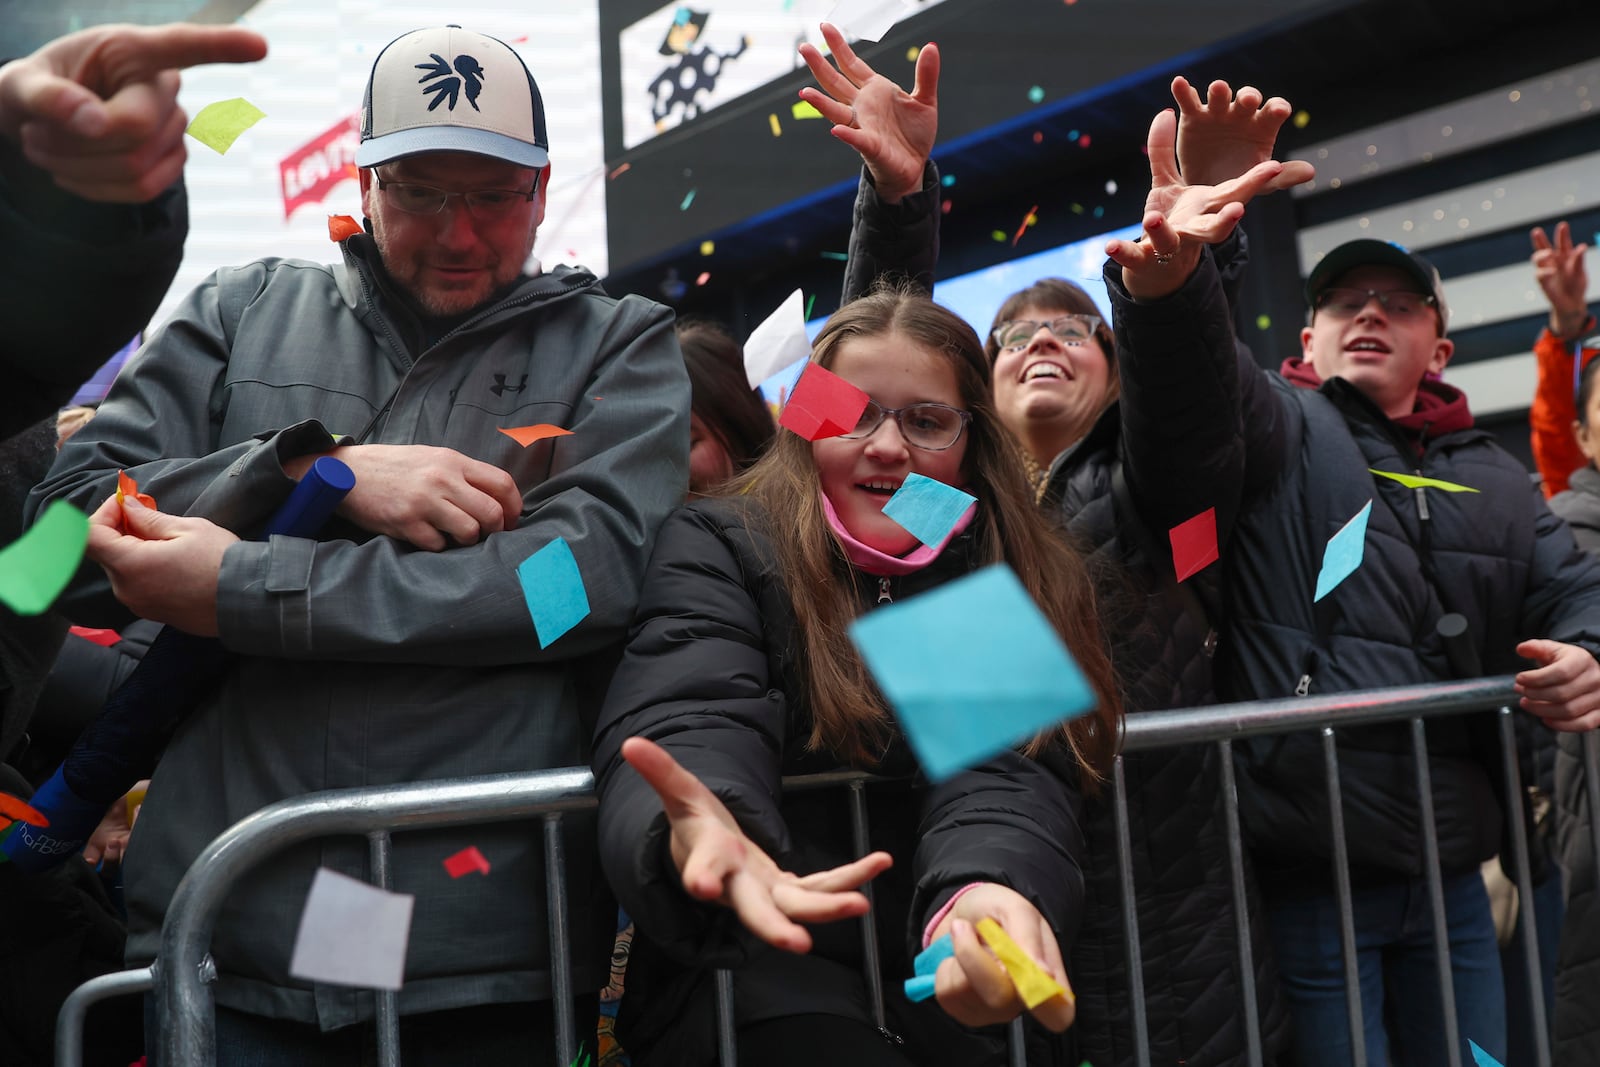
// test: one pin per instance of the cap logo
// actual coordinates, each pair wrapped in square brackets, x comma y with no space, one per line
[446,84]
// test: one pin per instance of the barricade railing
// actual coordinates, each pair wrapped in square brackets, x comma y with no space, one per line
[181,979]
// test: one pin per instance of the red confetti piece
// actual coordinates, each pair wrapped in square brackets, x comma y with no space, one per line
[1083,142]
[527,435]
[466,861]
[945,207]
[104,638]
[705,276]
[342,226]
[1038,137]
[822,405]
[1194,544]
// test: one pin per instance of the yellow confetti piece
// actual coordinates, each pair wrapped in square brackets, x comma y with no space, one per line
[1413,481]
[777,131]
[912,53]
[1263,322]
[803,110]
[1034,986]
[707,247]
[218,125]
[1302,119]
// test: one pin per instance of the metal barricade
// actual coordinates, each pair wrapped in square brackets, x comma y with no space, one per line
[185,1011]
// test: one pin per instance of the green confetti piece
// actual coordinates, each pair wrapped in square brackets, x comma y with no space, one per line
[1414,481]
[999,235]
[687,200]
[1263,322]
[39,564]
[947,180]
[804,110]
[842,257]
[1036,94]
[810,302]
[218,125]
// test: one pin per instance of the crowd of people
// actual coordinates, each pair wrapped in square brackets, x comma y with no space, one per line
[723,562]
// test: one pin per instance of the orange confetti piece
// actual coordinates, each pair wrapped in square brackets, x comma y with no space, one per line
[619,172]
[12,808]
[127,487]
[527,435]
[1027,220]
[342,226]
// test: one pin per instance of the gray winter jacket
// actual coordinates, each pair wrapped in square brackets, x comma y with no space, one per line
[364,661]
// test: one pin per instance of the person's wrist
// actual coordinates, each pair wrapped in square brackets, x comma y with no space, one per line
[1567,325]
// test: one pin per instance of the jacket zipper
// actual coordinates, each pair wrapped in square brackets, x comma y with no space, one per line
[885,594]
[1303,687]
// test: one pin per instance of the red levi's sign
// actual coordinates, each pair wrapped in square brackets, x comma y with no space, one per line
[309,172]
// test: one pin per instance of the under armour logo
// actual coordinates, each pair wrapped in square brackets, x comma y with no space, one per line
[499,388]
[471,73]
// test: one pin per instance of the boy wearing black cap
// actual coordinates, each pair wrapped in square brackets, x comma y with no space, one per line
[1342,434]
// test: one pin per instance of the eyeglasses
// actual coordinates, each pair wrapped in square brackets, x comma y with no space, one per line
[930,427]
[1401,303]
[1068,329]
[482,204]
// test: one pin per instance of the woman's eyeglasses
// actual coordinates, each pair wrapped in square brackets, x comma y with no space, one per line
[1015,334]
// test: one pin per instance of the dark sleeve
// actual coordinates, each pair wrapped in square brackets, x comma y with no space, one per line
[83,279]
[1013,821]
[899,240]
[694,679]
[1563,598]
[1181,445]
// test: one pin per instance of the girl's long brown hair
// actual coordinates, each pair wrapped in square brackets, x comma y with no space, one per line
[847,713]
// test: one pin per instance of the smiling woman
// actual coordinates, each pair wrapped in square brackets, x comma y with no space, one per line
[1051,382]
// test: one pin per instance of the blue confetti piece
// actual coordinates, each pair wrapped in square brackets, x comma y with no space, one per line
[1483,1058]
[1344,553]
[928,508]
[687,200]
[928,959]
[554,591]
[970,669]
[919,988]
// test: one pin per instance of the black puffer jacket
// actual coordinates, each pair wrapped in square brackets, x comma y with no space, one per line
[710,673]
[1174,380]
[1496,556]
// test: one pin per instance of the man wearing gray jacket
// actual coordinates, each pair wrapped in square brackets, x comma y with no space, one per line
[399,646]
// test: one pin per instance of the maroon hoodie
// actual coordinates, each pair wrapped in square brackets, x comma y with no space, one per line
[1440,408]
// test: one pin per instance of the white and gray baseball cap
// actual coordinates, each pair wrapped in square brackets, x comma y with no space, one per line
[451,90]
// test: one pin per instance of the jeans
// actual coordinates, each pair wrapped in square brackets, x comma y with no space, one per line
[1400,1006]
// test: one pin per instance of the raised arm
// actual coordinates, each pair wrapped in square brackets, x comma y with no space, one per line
[895,226]
[1559,269]
[1185,440]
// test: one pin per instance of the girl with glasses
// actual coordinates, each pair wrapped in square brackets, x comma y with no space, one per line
[1115,481]
[740,671]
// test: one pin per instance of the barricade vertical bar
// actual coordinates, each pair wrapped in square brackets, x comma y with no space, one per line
[871,962]
[555,892]
[1341,882]
[1430,867]
[1515,798]
[1241,908]
[1016,1044]
[1130,917]
[727,1036]
[1591,791]
[388,1007]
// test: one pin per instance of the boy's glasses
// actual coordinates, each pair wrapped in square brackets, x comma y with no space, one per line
[1347,303]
